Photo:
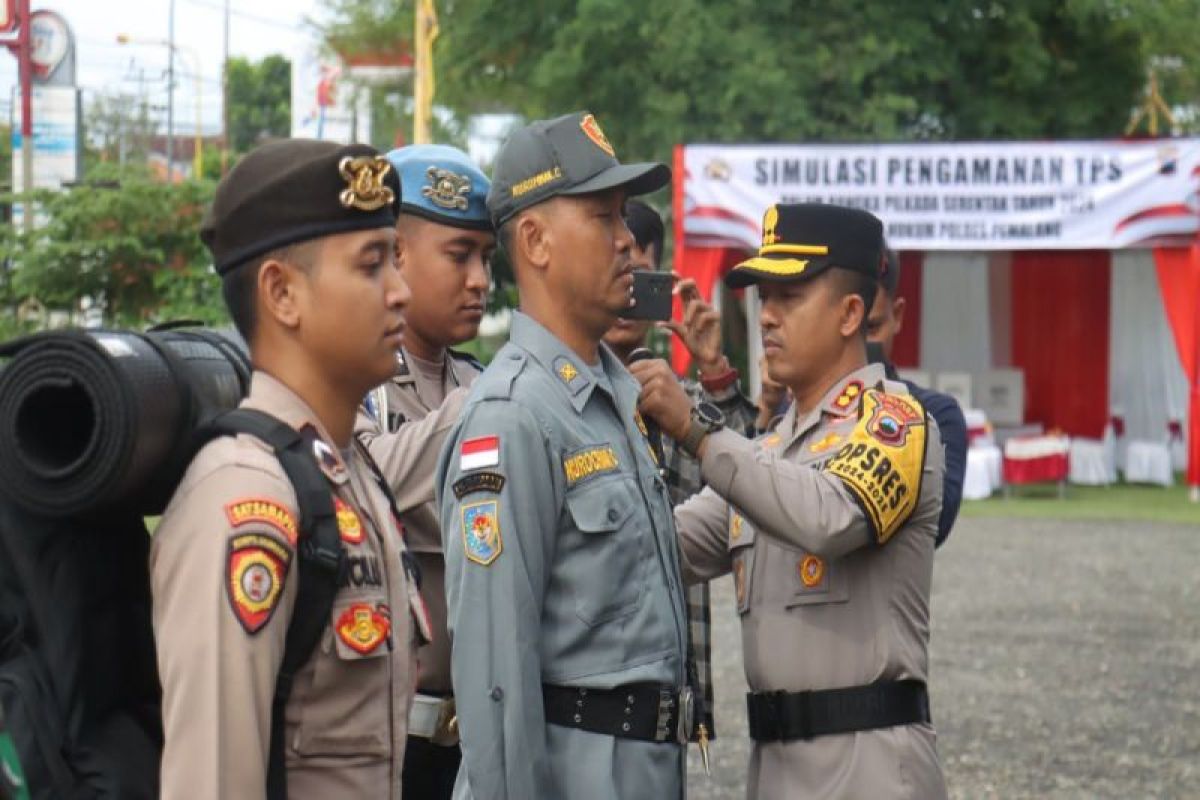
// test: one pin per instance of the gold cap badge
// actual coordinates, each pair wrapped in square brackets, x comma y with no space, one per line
[447,189]
[364,176]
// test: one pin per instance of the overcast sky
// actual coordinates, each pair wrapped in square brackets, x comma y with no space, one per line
[257,28]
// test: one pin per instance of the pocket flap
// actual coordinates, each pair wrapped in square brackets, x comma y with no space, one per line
[600,507]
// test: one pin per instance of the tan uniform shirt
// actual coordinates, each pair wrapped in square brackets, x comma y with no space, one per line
[823,604]
[423,402]
[223,577]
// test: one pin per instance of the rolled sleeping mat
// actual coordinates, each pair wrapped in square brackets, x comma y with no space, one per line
[94,420]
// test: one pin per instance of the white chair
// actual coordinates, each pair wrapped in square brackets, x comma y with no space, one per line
[1148,461]
[984,459]
[1093,462]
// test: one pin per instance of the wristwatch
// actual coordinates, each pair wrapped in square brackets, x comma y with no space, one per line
[706,419]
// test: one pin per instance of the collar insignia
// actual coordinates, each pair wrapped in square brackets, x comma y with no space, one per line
[567,371]
[447,189]
[850,393]
[364,176]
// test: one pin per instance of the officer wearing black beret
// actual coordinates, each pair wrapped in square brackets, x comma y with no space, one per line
[827,524]
[302,235]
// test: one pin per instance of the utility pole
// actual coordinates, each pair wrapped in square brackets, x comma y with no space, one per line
[170,93]
[25,68]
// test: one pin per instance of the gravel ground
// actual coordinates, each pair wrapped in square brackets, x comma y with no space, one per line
[1065,664]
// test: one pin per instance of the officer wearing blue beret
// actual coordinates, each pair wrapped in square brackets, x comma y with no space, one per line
[444,244]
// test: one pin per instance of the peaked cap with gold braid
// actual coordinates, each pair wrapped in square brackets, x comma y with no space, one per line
[801,240]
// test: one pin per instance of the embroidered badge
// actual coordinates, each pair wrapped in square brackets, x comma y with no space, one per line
[592,130]
[348,522]
[812,571]
[825,442]
[891,418]
[446,189]
[536,182]
[478,482]
[885,476]
[364,176]
[363,627]
[481,531]
[255,569]
[735,527]
[268,512]
[567,372]
[849,393]
[588,462]
[478,453]
[739,582]
[770,220]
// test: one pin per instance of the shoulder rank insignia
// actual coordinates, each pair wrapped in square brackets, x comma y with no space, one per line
[446,189]
[735,527]
[327,460]
[266,512]
[592,130]
[364,176]
[849,393]
[481,531]
[254,573]
[362,627]
[883,460]
[812,571]
[348,522]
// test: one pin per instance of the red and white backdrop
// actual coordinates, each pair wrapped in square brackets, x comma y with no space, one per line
[1077,262]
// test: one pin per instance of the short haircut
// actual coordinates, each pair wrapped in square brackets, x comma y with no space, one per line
[889,274]
[504,235]
[852,281]
[239,286]
[646,225]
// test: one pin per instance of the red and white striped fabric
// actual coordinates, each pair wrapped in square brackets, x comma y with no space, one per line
[479,453]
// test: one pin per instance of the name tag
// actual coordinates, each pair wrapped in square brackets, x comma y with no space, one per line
[591,461]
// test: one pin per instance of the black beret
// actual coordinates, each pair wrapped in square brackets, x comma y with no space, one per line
[294,190]
[801,240]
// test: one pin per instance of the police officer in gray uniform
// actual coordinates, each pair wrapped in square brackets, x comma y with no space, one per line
[565,604]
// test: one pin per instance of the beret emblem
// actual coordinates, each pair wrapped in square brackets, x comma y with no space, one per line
[364,176]
[447,189]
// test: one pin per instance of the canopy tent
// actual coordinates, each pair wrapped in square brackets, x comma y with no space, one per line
[1076,262]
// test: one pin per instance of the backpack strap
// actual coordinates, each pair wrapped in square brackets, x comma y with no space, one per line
[320,562]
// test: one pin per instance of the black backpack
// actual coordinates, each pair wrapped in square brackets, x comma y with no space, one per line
[79,688]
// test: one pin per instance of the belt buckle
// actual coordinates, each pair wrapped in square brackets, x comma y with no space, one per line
[445,733]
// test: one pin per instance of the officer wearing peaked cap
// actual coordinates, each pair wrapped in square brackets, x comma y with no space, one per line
[302,235]
[444,245]
[827,524]
[562,576]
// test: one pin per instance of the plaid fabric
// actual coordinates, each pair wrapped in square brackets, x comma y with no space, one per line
[682,474]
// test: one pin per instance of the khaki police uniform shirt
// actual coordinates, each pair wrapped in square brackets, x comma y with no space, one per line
[562,569]
[430,404]
[823,603]
[223,576]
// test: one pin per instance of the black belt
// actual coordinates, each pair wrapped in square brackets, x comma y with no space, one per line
[646,711]
[783,716]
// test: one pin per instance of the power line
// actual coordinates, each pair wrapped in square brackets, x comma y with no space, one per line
[273,23]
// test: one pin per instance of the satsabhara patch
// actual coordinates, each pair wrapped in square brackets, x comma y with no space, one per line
[363,627]
[891,419]
[481,531]
[812,571]
[254,575]
[348,522]
[262,510]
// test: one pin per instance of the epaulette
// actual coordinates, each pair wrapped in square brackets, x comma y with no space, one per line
[462,355]
[497,382]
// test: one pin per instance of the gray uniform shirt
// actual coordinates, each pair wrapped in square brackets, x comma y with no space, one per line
[561,568]
[823,603]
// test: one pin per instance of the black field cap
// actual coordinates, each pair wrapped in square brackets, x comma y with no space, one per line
[804,239]
[563,156]
[293,190]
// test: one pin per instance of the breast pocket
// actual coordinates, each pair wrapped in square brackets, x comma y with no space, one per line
[346,710]
[817,581]
[605,561]
[741,557]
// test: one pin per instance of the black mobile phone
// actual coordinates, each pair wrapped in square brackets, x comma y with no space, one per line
[651,295]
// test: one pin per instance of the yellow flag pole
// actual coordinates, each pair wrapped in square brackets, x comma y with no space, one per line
[425,30]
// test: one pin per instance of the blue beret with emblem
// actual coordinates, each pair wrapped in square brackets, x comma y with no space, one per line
[442,184]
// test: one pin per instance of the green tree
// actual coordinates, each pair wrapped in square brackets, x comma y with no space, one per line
[121,239]
[260,100]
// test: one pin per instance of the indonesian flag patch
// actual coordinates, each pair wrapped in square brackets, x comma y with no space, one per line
[479,453]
